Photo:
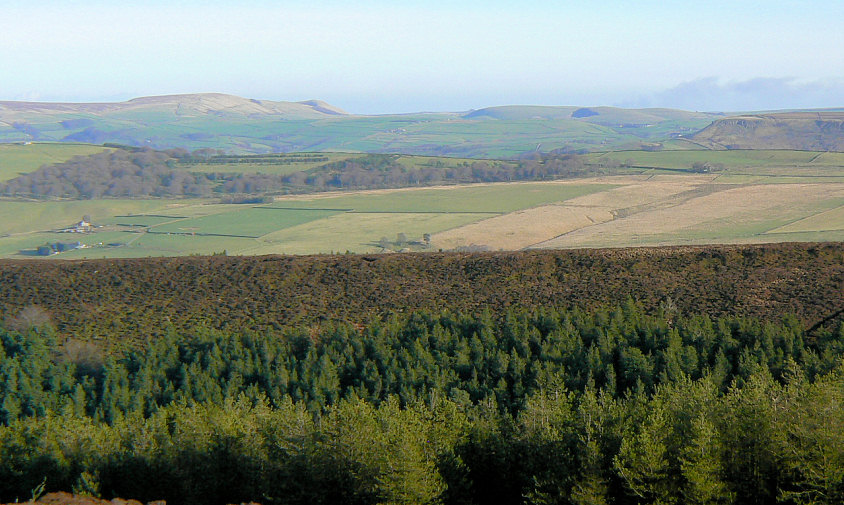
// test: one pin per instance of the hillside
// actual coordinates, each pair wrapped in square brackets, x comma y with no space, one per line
[452,379]
[610,116]
[241,125]
[816,131]
[133,300]
[176,105]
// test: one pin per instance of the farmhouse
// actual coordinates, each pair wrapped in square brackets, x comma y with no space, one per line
[83,226]
[80,227]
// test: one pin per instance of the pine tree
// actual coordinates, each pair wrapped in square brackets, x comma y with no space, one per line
[700,464]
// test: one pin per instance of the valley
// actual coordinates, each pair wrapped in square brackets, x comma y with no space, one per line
[625,198]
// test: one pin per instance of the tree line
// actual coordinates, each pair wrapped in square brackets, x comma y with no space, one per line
[117,173]
[144,172]
[617,405]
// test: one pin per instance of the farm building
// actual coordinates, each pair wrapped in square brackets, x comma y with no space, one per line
[80,227]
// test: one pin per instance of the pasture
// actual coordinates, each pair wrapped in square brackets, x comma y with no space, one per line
[276,164]
[759,196]
[715,214]
[826,221]
[284,164]
[474,198]
[244,222]
[738,163]
[16,159]
[299,224]
[357,232]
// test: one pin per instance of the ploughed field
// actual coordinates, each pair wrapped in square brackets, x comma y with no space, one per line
[132,300]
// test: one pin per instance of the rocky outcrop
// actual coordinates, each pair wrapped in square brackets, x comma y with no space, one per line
[810,131]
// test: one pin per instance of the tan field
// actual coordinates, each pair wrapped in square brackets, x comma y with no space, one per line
[735,214]
[522,228]
[528,227]
[663,209]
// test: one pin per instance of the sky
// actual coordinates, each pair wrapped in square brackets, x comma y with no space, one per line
[373,56]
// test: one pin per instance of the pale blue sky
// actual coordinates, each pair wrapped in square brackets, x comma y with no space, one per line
[393,56]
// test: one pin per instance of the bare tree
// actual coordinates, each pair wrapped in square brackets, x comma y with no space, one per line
[87,356]
[30,317]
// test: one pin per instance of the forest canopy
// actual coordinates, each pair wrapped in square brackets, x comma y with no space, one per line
[544,406]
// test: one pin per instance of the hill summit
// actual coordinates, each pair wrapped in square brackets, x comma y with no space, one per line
[194,104]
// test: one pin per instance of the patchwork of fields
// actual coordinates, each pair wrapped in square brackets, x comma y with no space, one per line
[361,222]
[654,199]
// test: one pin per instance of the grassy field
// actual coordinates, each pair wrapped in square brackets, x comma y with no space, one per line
[16,159]
[25,217]
[489,198]
[743,163]
[605,212]
[357,232]
[277,164]
[249,222]
[830,220]
[283,164]
[715,214]
[316,223]
[759,196]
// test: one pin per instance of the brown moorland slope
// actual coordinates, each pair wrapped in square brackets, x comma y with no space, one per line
[132,300]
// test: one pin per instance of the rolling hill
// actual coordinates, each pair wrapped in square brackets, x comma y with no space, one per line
[609,116]
[241,125]
[197,104]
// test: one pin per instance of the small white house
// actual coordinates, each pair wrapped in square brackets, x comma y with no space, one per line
[82,226]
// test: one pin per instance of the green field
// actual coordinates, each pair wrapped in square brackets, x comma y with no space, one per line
[417,162]
[357,232]
[490,198]
[277,164]
[783,163]
[249,222]
[143,220]
[318,223]
[16,159]
[24,217]
[830,220]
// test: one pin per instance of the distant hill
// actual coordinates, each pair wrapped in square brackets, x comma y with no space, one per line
[176,105]
[608,116]
[241,125]
[521,112]
[808,130]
